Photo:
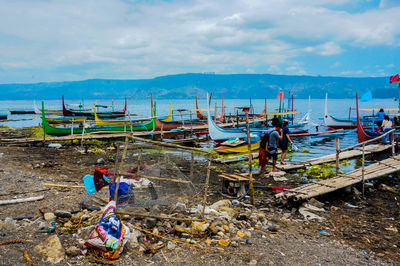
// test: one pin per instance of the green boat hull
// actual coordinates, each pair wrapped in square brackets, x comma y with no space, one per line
[62,131]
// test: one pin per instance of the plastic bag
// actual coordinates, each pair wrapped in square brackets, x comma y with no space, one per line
[294,148]
[109,235]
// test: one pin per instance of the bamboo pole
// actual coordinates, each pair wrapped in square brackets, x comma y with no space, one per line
[158,178]
[60,185]
[363,169]
[13,201]
[72,126]
[337,156]
[83,134]
[167,144]
[116,163]
[39,131]
[250,160]
[162,132]
[206,188]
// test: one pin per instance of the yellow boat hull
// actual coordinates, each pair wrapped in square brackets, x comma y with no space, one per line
[239,149]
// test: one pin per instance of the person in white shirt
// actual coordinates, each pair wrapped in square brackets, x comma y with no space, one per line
[386,126]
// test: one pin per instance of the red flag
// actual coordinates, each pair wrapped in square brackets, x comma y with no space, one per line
[281,95]
[394,78]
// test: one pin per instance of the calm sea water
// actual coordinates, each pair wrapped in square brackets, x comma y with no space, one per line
[316,147]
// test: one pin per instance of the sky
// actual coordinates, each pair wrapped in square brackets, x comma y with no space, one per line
[66,40]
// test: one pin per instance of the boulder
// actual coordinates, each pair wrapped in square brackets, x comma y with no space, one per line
[51,249]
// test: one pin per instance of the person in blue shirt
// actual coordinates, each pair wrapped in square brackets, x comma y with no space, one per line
[380,116]
[275,135]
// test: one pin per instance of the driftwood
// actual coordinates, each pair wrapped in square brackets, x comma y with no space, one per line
[67,186]
[13,201]
[158,178]
[159,143]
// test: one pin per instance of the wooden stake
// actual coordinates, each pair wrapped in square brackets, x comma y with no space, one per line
[72,127]
[250,160]
[139,160]
[363,169]
[39,130]
[206,188]
[191,166]
[393,150]
[116,163]
[120,166]
[337,156]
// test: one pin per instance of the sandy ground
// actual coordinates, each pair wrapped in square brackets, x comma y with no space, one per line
[355,236]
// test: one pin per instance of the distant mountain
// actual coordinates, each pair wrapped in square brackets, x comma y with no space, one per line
[184,86]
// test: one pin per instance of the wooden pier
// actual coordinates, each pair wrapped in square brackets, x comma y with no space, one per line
[349,154]
[316,188]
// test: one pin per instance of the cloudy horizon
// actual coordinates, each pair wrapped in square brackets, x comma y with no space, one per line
[45,40]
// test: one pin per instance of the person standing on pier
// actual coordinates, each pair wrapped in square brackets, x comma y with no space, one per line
[380,116]
[283,144]
[387,126]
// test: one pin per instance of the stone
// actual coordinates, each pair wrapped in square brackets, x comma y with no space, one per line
[249,242]
[8,224]
[150,222]
[85,217]
[221,203]
[200,226]
[51,249]
[253,262]
[226,228]
[156,257]
[316,203]
[49,216]
[62,214]
[171,245]
[101,161]
[73,251]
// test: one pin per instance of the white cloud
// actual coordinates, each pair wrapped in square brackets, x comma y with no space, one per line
[137,39]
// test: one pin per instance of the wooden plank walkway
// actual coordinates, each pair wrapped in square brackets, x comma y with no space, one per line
[332,157]
[376,170]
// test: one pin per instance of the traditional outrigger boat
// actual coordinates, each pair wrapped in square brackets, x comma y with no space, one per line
[242,147]
[111,114]
[362,134]
[3,116]
[22,112]
[62,131]
[337,123]
[38,111]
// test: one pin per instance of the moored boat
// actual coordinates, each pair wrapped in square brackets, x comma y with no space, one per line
[111,114]
[3,116]
[362,134]
[243,147]
[62,131]
[337,123]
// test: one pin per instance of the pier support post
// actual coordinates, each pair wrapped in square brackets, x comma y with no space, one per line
[337,156]
[393,150]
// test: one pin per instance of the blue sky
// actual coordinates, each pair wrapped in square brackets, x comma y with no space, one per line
[63,40]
